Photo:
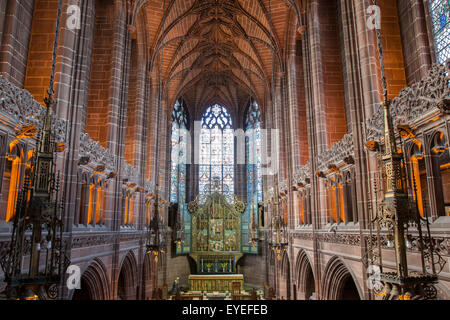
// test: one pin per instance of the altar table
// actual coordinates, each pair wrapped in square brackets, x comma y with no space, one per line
[214,282]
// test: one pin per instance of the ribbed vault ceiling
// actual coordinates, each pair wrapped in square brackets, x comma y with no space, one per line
[216,51]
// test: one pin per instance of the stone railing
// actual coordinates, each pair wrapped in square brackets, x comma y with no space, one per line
[97,158]
[93,155]
[130,174]
[19,108]
[303,175]
[415,105]
[342,151]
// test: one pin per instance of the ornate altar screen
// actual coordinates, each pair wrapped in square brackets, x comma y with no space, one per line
[213,234]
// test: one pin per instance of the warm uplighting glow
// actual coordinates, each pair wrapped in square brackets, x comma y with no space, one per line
[416,174]
[130,210]
[13,188]
[125,218]
[91,204]
[98,206]
[341,202]
[332,202]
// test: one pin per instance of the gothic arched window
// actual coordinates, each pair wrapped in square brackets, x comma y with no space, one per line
[253,152]
[440,15]
[178,152]
[216,170]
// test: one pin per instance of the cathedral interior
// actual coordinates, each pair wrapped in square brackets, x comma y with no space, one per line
[224,149]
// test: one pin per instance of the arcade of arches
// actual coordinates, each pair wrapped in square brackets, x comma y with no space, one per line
[212,116]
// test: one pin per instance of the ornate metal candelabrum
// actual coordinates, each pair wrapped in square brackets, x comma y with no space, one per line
[37,225]
[179,227]
[38,220]
[278,228]
[155,237]
[394,214]
[253,226]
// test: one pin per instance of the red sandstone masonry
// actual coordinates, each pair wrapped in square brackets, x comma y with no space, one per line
[99,93]
[332,71]
[392,48]
[301,101]
[15,40]
[41,48]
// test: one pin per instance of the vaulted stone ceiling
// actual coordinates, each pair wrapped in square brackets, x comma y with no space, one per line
[217,51]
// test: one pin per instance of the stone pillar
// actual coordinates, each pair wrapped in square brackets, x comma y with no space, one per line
[16,30]
[354,37]
[117,121]
[2,17]
[415,38]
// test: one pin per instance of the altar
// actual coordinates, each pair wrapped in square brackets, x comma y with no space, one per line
[216,235]
[214,282]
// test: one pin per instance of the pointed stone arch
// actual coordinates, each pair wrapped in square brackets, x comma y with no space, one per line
[127,279]
[339,282]
[94,283]
[305,280]
[284,276]
[150,276]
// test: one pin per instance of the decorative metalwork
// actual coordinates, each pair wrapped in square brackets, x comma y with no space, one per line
[339,152]
[20,109]
[155,238]
[178,166]
[278,239]
[415,105]
[216,233]
[278,234]
[395,213]
[40,212]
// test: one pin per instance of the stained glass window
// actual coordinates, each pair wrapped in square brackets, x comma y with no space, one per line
[440,14]
[253,152]
[178,153]
[216,170]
